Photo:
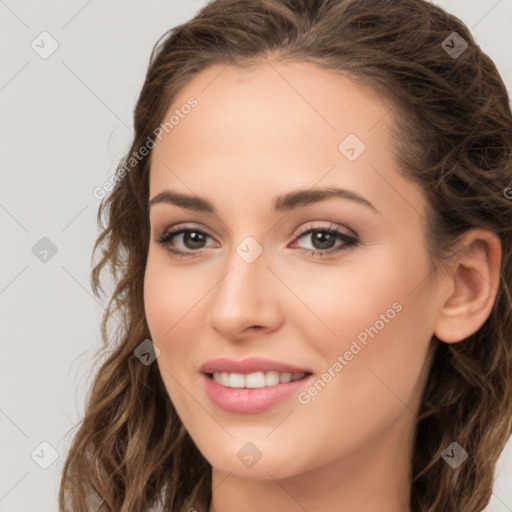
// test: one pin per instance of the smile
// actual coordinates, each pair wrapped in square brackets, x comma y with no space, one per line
[255,380]
[249,395]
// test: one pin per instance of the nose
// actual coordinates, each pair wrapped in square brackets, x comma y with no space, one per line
[245,300]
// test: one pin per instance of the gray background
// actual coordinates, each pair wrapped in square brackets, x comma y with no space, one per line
[66,121]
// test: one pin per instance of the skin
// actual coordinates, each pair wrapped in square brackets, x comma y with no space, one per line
[257,133]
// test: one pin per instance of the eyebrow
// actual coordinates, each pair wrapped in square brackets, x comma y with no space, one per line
[282,203]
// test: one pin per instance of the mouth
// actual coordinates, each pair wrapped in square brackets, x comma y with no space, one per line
[256,380]
[253,384]
[250,393]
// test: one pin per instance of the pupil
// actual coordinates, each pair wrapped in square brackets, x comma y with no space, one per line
[194,238]
[322,240]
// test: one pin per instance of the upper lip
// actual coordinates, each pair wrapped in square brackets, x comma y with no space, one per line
[249,365]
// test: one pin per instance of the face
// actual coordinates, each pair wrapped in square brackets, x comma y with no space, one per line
[274,266]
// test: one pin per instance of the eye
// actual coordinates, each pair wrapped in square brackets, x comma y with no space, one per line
[323,240]
[191,238]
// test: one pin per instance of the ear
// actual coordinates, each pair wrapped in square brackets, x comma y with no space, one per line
[472,284]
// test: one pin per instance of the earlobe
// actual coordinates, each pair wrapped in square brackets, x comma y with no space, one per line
[473,286]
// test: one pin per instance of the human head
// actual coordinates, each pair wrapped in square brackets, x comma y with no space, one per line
[453,140]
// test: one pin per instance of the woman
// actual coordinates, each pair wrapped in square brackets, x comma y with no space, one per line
[311,242]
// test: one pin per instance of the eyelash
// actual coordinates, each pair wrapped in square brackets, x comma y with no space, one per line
[349,241]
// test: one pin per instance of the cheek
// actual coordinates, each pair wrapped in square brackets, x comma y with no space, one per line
[158,304]
[166,301]
[169,294]
[333,304]
[376,318]
[174,303]
[366,388]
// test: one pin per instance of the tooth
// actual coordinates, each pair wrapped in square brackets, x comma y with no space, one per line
[255,380]
[285,377]
[271,378]
[236,380]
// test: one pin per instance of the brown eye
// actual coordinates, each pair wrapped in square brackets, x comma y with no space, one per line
[192,240]
[323,240]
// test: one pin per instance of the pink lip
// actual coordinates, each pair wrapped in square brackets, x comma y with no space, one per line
[249,365]
[250,400]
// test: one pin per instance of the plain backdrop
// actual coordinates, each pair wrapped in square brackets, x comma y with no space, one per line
[66,122]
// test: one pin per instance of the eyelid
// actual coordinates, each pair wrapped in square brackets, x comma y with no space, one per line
[185,225]
[350,240]
[323,225]
[297,232]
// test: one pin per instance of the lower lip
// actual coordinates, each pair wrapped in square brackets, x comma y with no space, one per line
[250,400]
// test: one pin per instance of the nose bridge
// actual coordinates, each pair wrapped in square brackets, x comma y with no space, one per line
[244,296]
[243,282]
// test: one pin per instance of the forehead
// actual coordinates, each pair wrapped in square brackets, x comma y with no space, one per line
[269,99]
[279,123]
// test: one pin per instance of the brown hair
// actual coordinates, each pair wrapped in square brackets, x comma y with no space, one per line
[454,138]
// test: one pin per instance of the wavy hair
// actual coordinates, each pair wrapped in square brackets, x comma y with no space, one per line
[453,132]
